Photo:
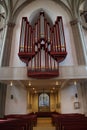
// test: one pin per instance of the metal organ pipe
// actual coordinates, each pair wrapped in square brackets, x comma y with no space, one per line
[29,38]
[47,56]
[51,40]
[55,41]
[63,34]
[25,38]
[43,44]
[40,57]
[62,38]
[22,36]
[48,32]
[38,30]
[58,36]
[20,45]
[42,25]
[45,29]
[36,34]
[33,40]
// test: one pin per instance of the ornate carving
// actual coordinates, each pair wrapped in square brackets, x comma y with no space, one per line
[75,21]
[11,24]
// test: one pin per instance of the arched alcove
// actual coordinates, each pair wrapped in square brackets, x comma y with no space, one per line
[34,16]
[44,102]
[25,3]
[52,11]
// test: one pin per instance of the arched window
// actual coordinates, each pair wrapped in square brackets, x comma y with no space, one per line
[44,102]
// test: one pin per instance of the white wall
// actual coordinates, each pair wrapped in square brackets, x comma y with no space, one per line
[68,99]
[19,102]
[34,102]
[53,10]
[18,105]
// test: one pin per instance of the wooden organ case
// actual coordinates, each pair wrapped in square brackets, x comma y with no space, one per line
[42,47]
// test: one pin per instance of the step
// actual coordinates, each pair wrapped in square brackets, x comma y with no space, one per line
[44,128]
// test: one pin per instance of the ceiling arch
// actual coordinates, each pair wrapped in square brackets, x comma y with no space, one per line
[3,5]
[14,7]
[34,16]
[23,5]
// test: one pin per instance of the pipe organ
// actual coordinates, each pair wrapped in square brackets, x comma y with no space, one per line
[42,47]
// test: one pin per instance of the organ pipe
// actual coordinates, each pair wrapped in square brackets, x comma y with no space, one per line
[61,30]
[22,36]
[43,43]
[48,31]
[42,25]
[58,36]
[36,29]
[42,30]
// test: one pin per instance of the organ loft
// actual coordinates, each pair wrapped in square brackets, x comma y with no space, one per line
[42,46]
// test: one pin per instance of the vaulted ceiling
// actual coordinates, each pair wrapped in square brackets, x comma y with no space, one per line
[13,7]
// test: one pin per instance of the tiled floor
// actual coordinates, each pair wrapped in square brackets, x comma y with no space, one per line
[44,124]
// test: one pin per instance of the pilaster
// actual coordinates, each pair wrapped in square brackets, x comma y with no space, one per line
[58,107]
[82,91]
[3,89]
[29,108]
[7,45]
[79,42]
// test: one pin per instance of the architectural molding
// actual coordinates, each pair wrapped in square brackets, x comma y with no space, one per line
[66,72]
[11,24]
[75,21]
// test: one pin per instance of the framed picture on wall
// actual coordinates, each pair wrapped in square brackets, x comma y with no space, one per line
[76,105]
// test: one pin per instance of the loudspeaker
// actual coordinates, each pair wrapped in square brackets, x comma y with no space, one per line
[11,96]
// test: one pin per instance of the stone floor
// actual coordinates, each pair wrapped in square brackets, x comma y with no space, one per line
[44,124]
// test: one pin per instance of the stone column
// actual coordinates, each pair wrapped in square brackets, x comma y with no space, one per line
[84,97]
[82,92]
[28,100]
[79,42]
[7,45]
[58,101]
[3,88]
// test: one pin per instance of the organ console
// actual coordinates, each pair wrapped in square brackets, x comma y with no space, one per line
[42,47]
